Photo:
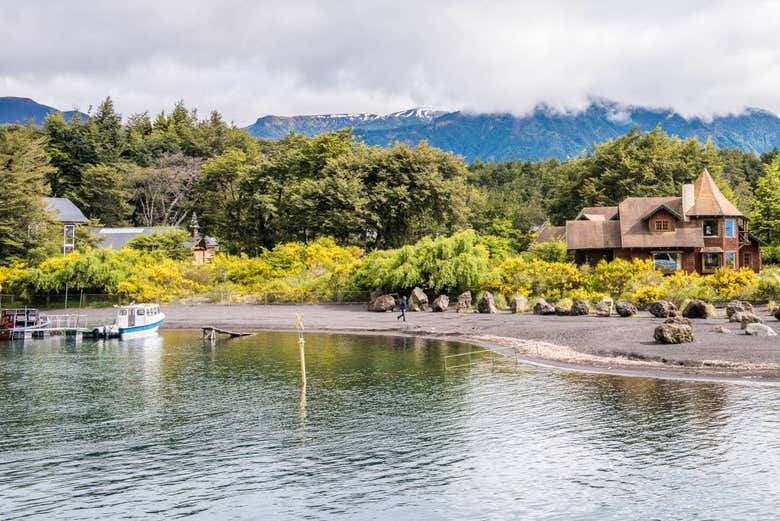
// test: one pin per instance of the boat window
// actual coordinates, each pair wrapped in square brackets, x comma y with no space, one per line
[122,312]
[140,311]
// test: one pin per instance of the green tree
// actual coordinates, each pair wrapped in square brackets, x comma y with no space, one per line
[25,231]
[104,194]
[766,207]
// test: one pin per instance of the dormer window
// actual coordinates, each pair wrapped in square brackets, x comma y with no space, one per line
[662,225]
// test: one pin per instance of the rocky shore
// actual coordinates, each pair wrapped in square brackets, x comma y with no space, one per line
[617,344]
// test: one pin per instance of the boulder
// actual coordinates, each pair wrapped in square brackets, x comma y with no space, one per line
[736,316]
[518,304]
[625,308]
[464,301]
[441,304]
[418,300]
[673,333]
[602,309]
[777,313]
[662,308]
[732,308]
[678,320]
[747,318]
[723,330]
[542,307]
[760,330]
[579,308]
[486,303]
[382,303]
[696,309]
[562,311]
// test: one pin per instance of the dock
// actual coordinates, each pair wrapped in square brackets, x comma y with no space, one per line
[211,333]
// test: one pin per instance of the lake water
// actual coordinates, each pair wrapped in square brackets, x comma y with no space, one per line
[169,428]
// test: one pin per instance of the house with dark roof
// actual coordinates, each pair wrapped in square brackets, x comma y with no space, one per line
[700,231]
[68,215]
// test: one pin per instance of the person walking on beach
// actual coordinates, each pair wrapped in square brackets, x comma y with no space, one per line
[402,306]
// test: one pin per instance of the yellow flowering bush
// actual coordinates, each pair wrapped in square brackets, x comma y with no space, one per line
[616,276]
[727,284]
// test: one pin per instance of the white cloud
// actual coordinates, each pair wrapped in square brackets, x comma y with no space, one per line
[247,58]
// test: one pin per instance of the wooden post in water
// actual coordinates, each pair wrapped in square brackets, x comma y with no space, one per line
[301,342]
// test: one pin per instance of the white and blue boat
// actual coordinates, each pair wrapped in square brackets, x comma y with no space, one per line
[133,321]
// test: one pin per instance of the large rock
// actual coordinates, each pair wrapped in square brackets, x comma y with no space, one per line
[777,313]
[662,308]
[736,306]
[518,304]
[748,318]
[696,309]
[562,311]
[736,316]
[441,303]
[486,303]
[579,308]
[542,307]
[760,330]
[464,301]
[673,333]
[418,300]
[382,303]
[625,308]
[678,320]
[603,308]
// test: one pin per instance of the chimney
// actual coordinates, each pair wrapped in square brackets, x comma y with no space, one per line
[687,196]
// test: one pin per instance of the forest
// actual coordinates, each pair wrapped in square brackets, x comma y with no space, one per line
[327,214]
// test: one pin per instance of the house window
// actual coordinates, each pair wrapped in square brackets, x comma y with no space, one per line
[662,225]
[68,238]
[747,259]
[711,261]
[667,261]
[730,259]
[731,228]
[710,228]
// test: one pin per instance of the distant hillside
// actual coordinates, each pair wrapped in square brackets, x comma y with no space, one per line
[22,110]
[542,134]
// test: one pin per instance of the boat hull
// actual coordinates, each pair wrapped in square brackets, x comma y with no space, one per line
[139,331]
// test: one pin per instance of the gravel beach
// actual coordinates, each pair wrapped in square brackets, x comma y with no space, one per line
[613,344]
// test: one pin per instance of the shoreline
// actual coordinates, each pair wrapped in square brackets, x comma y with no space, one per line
[613,345]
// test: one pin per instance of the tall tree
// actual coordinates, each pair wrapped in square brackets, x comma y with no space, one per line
[766,208]
[24,222]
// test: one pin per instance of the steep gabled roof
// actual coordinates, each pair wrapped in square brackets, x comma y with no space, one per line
[636,234]
[597,213]
[708,199]
[592,235]
[63,210]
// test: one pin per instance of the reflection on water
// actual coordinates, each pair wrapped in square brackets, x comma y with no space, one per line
[167,427]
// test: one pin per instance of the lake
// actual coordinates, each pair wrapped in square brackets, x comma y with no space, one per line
[169,427]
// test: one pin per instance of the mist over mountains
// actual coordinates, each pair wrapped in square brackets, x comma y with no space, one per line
[543,133]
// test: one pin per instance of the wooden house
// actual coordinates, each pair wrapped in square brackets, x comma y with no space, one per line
[700,231]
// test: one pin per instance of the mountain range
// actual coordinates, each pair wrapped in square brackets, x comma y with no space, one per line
[22,110]
[541,134]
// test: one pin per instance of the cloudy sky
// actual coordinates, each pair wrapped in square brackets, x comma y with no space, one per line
[256,57]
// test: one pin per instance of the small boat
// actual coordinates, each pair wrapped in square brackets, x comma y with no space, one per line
[132,321]
[22,323]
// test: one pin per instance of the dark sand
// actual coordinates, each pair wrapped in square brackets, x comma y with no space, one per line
[614,344]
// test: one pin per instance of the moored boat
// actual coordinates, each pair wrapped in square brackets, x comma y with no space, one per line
[22,323]
[133,320]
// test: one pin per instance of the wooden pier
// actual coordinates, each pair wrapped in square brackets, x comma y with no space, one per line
[210,332]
